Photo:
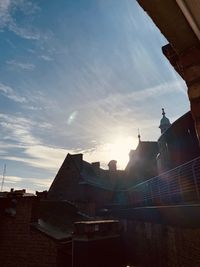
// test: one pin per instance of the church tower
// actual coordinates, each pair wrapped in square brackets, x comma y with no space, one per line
[164,122]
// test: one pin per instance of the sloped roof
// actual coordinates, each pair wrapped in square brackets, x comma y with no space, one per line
[56,218]
[145,149]
[142,163]
[101,178]
[85,174]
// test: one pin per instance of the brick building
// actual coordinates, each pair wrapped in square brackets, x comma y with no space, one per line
[38,232]
[28,236]
[87,185]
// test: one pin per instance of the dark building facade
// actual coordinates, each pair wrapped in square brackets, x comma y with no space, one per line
[36,232]
[178,144]
[87,185]
[21,243]
[142,163]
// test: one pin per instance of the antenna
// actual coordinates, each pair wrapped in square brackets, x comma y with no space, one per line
[3,177]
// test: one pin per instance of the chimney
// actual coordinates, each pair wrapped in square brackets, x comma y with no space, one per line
[112,165]
[42,195]
[96,167]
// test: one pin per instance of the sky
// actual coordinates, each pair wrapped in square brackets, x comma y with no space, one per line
[79,76]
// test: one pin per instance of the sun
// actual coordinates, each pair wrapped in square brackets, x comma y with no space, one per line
[119,150]
[113,148]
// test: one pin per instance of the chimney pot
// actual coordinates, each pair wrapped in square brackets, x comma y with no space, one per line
[112,165]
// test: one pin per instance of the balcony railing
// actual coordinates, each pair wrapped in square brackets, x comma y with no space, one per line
[180,185]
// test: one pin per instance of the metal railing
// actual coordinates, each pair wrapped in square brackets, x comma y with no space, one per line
[180,185]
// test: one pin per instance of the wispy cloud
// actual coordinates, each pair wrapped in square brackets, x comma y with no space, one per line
[38,162]
[4,13]
[8,8]
[26,33]
[13,179]
[33,152]
[28,183]
[20,65]
[46,58]
[19,129]
[10,93]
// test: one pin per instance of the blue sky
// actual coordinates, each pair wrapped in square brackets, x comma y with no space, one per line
[79,76]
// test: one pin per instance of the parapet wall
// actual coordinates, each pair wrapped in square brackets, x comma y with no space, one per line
[160,244]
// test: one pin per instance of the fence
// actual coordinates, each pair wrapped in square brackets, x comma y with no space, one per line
[180,185]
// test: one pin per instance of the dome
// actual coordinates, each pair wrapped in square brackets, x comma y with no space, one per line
[164,122]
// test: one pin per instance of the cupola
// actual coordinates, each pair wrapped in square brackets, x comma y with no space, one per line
[164,122]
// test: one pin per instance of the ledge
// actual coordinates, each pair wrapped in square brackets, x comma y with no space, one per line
[187,216]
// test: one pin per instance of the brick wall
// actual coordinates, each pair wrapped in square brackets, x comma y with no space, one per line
[19,244]
[158,245]
[42,250]
[14,232]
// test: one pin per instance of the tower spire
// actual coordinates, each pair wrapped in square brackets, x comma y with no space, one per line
[164,122]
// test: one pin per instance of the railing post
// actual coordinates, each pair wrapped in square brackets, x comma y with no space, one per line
[151,193]
[158,186]
[169,190]
[195,181]
[180,185]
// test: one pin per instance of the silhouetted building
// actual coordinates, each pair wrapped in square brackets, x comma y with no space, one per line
[38,232]
[87,185]
[142,163]
[178,144]
[23,243]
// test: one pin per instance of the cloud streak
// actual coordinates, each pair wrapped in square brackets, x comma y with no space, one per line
[10,93]
[33,152]
[8,8]
[27,183]
[46,58]
[20,65]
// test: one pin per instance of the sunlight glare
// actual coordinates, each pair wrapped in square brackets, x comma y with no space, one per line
[119,150]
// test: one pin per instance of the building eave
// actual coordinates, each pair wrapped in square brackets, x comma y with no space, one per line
[170,19]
